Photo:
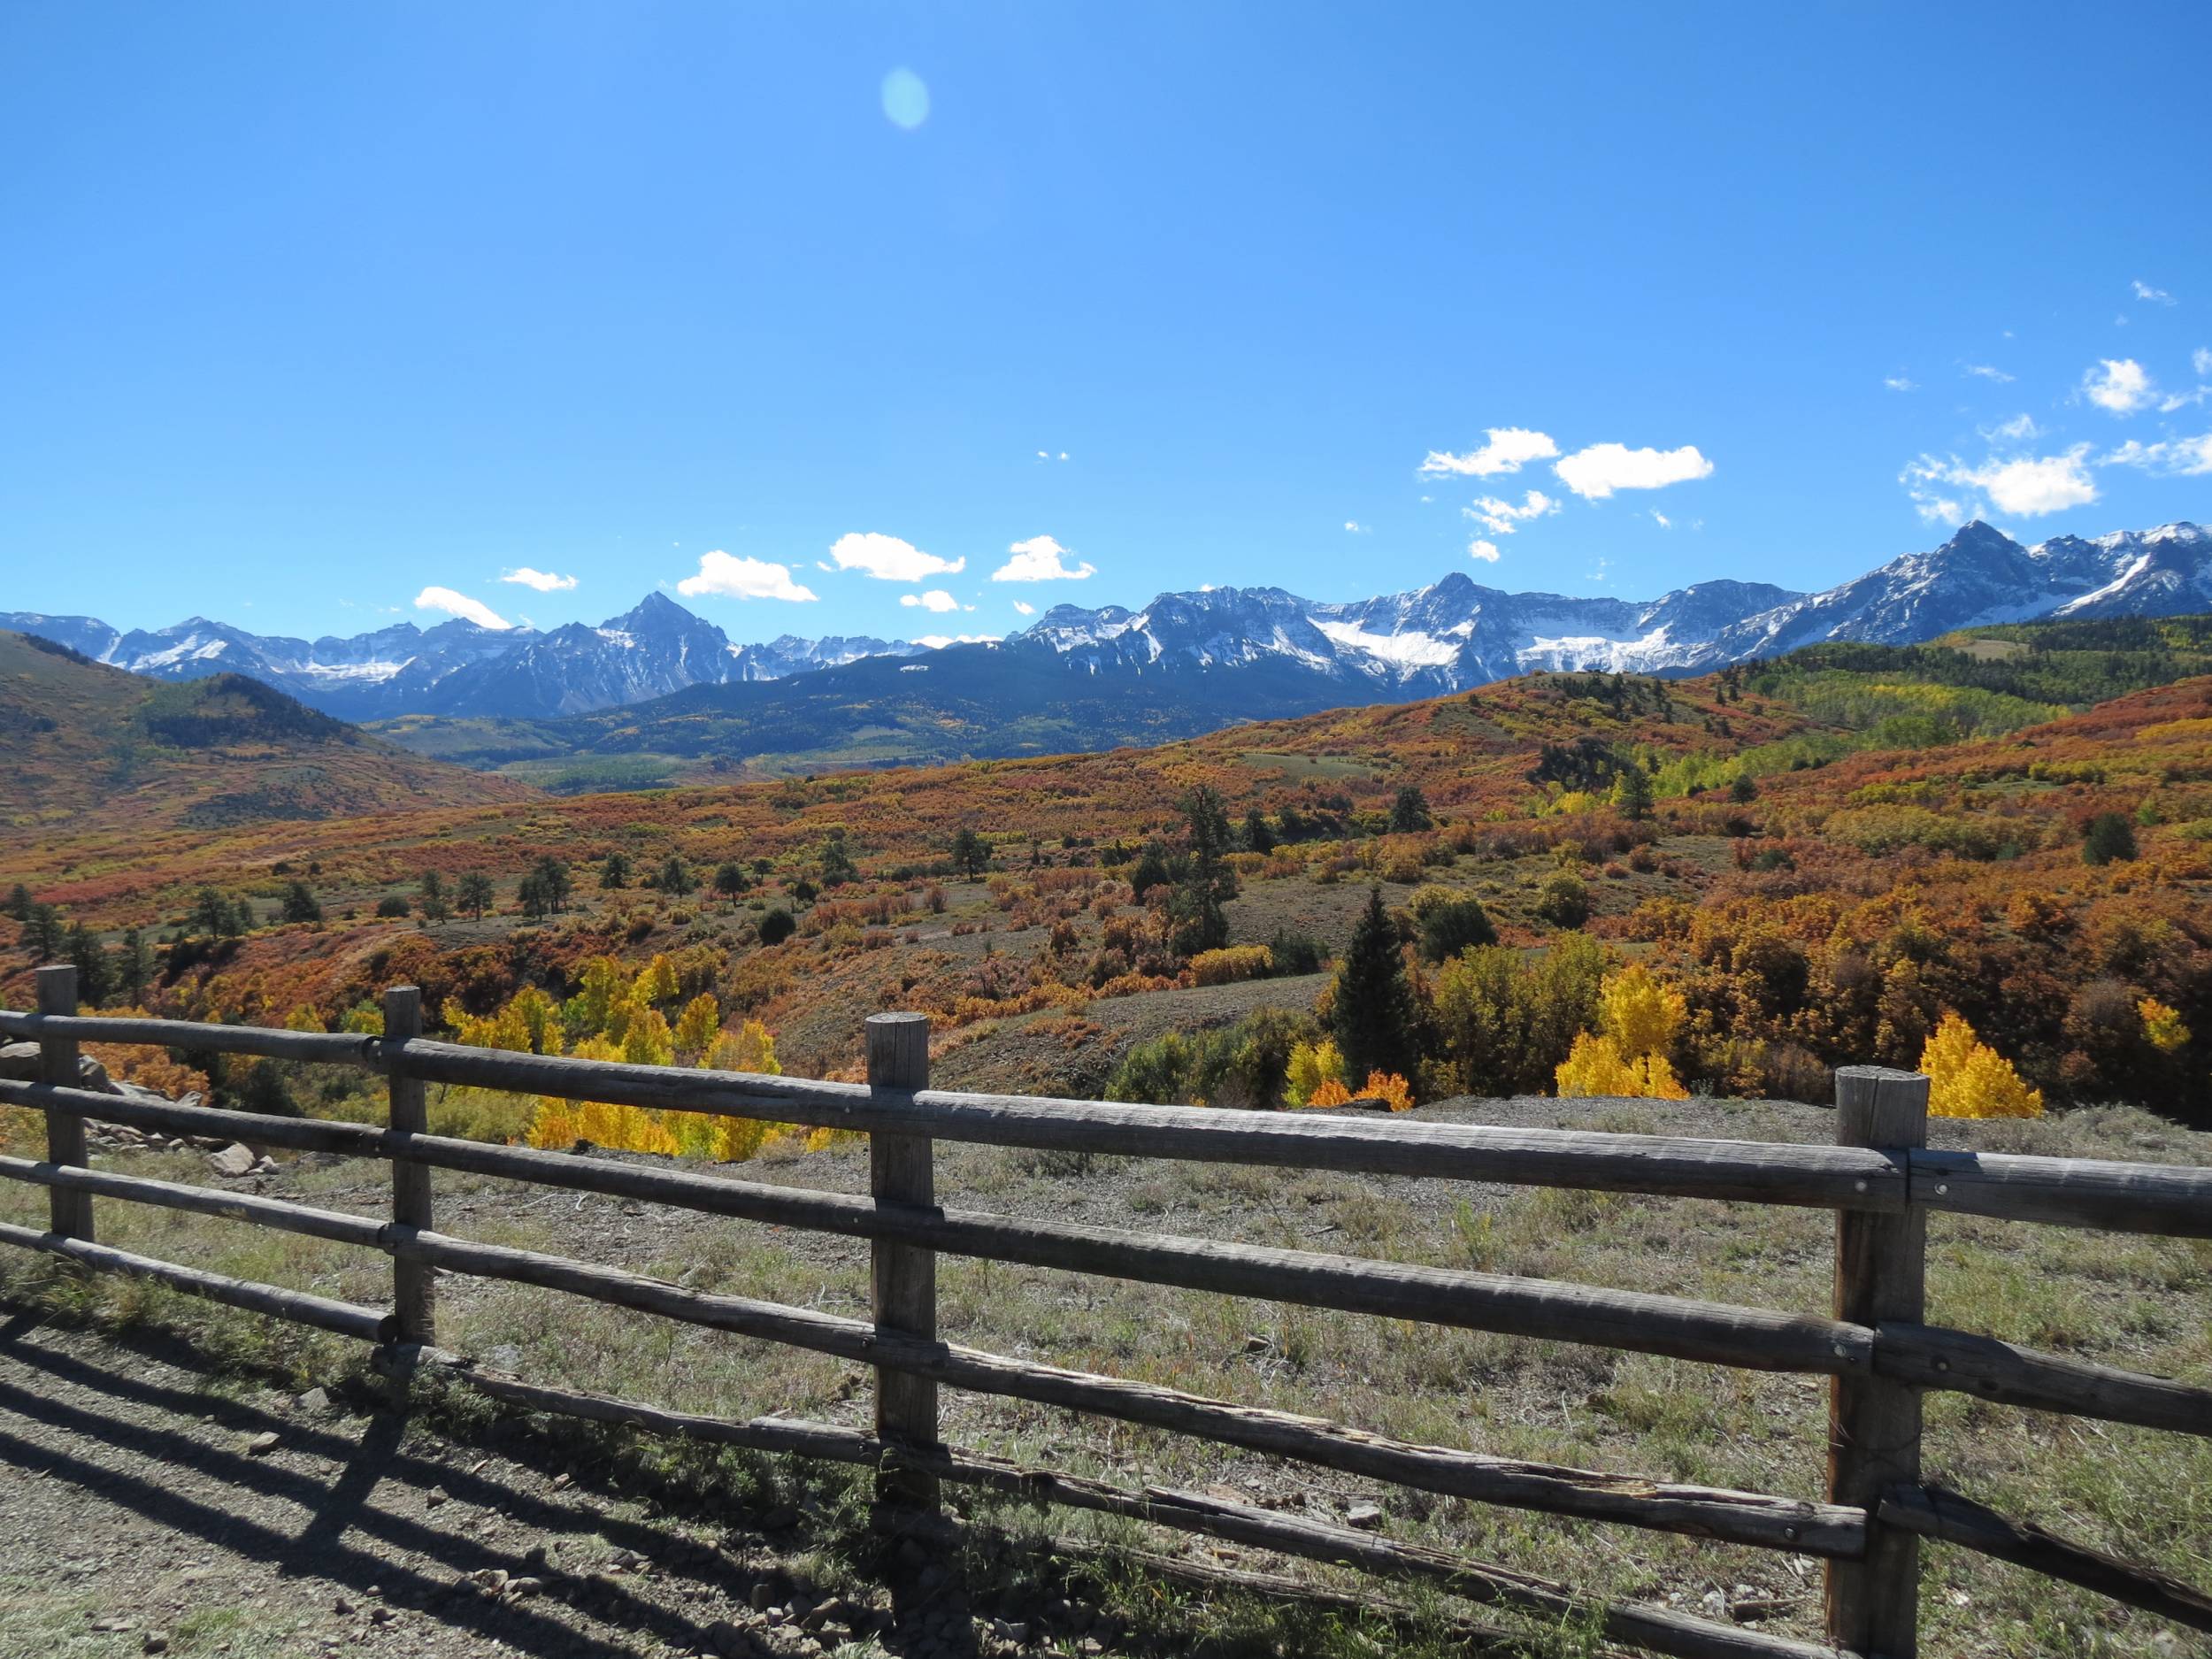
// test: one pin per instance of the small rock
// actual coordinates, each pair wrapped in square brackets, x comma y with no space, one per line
[492,1578]
[434,1497]
[265,1164]
[521,1589]
[380,1615]
[315,1400]
[1366,1516]
[341,1606]
[1258,1344]
[233,1160]
[262,1444]
[154,1642]
[561,1481]
[726,1640]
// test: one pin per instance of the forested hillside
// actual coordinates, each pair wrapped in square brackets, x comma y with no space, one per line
[1736,883]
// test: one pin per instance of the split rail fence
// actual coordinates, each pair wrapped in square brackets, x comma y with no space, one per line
[1880,1178]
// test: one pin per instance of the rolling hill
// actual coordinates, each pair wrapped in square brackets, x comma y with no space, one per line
[91,750]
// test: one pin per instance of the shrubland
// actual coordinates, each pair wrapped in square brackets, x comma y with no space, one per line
[1583,883]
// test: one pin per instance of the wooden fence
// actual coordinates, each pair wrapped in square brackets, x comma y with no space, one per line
[1879,1178]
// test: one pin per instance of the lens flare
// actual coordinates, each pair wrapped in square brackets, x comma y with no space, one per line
[905,99]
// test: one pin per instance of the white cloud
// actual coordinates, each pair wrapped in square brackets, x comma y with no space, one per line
[1486,551]
[1041,559]
[1356,526]
[544,582]
[890,558]
[1597,472]
[938,641]
[1898,383]
[460,605]
[2023,486]
[1510,449]
[2145,291]
[2020,429]
[2200,360]
[2118,385]
[733,578]
[2174,401]
[935,599]
[2185,458]
[1503,517]
[1024,607]
[1983,371]
[1660,519]
[1063,455]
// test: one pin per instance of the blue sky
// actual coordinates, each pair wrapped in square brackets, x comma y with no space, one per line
[308,312]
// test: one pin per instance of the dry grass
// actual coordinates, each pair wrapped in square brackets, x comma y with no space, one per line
[2140,1303]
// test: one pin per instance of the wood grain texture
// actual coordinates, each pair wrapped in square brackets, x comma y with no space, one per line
[68,1210]
[902,1169]
[1700,1511]
[248,1207]
[414,1283]
[2173,1200]
[1937,1512]
[367,1325]
[326,1048]
[1824,1177]
[1873,1603]
[1924,1356]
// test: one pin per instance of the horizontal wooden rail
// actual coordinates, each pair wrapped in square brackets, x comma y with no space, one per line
[270,1042]
[276,1213]
[2174,1200]
[1700,1511]
[1934,1512]
[1657,1629]
[1880,1179]
[1674,1166]
[301,1306]
[1924,1356]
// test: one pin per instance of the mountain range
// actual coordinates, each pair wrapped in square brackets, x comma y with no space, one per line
[658,680]
[461,667]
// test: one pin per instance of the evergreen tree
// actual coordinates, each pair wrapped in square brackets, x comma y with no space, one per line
[43,934]
[837,862]
[1410,812]
[614,874]
[19,902]
[970,853]
[730,880]
[474,893]
[1373,1016]
[556,881]
[300,905]
[675,878]
[1257,836]
[94,986]
[431,897]
[2109,839]
[134,967]
[1632,793]
[1743,791]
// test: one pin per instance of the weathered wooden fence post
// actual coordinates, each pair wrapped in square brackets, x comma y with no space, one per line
[901,1172]
[1874,1423]
[414,1293]
[68,1212]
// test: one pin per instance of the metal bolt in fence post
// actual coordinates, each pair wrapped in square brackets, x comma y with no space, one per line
[414,1295]
[900,1172]
[1873,1604]
[68,1212]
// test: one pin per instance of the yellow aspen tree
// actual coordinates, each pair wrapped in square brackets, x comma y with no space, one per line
[1968,1078]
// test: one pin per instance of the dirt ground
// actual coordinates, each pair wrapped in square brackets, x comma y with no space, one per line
[149,1501]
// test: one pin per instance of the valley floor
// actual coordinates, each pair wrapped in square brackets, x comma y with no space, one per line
[140,1503]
